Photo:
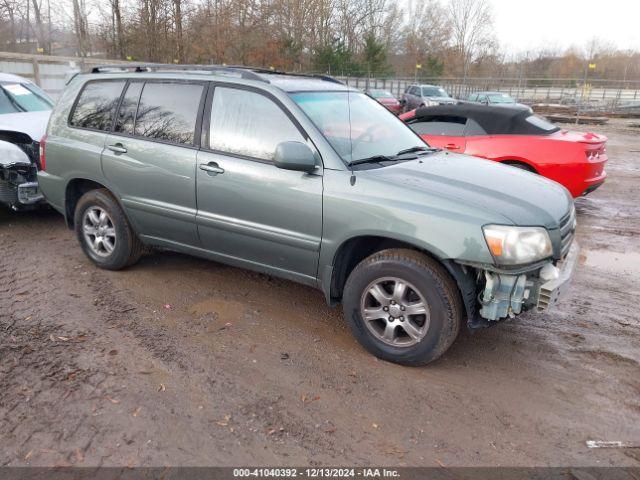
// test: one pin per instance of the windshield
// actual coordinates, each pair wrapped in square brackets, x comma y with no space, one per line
[434,92]
[500,98]
[380,94]
[356,126]
[22,97]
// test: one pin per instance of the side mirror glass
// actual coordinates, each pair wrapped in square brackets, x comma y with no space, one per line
[294,156]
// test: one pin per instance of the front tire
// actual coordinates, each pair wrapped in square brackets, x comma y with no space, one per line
[403,306]
[104,232]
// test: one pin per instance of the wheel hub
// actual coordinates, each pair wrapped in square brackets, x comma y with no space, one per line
[395,312]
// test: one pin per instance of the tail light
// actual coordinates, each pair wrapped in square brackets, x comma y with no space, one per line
[43,160]
[594,154]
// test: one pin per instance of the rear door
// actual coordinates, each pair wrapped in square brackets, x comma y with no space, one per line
[250,212]
[150,158]
[442,131]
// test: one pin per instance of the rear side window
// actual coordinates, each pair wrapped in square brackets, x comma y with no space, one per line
[168,112]
[542,123]
[125,120]
[473,128]
[441,125]
[249,124]
[96,105]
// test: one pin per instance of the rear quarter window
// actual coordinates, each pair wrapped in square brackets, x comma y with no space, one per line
[443,126]
[96,105]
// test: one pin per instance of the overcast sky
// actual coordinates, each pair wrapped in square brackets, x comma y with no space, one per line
[533,24]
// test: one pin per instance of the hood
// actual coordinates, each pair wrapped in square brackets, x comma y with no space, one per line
[33,124]
[11,155]
[520,197]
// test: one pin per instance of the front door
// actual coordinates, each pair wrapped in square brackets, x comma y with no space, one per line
[250,212]
[150,159]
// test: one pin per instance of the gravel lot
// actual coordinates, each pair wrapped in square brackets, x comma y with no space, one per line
[182,361]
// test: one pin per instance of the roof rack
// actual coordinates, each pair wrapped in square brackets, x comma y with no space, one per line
[248,73]
[243,72]
[326,78]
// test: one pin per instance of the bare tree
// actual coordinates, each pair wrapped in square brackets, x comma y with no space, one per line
[425,35]
[81,27]
[471,29]
[40,33]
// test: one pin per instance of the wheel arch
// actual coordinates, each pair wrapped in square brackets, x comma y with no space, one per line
[520,161]
[74,190]
[355,249]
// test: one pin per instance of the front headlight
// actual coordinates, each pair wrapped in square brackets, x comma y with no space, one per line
[517,245]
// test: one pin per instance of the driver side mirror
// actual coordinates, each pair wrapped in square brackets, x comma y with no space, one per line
[295,156]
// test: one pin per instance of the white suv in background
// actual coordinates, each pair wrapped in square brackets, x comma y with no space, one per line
[24,114]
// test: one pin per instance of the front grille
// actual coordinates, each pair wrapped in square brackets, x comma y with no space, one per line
[567,231]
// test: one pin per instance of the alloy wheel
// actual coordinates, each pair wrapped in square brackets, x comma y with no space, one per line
[395,312]
[99,231]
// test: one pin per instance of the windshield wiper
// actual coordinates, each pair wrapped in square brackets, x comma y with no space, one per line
[374,159]
[414,150]
[13,101]
[400,156]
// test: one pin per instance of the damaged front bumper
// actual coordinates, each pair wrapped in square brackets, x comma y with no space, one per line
[21,195]
[506,295]
[18,176]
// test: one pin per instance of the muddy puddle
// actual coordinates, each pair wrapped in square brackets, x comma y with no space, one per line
[614,262]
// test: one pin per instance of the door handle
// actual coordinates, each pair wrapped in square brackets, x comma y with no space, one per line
[211,167]
[117,148]
[452,146]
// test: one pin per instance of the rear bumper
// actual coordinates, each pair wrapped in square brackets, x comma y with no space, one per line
[592,184]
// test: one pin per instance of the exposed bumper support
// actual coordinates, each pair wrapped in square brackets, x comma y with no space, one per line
[551,290]
[506,295]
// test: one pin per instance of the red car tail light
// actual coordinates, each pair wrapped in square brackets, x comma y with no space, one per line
[43,160]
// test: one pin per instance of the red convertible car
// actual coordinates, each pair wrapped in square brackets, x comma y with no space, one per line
[515,137]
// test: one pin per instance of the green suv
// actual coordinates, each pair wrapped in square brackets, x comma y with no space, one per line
[307,179]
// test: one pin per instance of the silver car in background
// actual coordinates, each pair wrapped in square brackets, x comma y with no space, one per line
[416,96]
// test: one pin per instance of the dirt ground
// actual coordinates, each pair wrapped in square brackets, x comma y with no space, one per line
[182,361]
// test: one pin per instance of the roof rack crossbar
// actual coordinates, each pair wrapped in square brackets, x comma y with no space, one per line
[244,72]
[326,78]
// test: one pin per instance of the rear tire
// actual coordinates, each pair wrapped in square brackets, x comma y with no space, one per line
[396,328]
[104,231]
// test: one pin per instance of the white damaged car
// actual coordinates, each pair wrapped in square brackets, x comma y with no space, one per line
[24,113]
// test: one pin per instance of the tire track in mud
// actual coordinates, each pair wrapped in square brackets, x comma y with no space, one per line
[258,418]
